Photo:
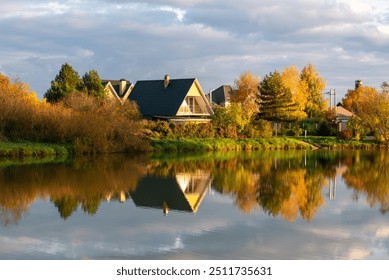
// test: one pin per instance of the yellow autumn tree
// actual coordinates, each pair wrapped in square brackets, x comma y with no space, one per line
[375,112]
[246,93]
[291,79]
[313,85]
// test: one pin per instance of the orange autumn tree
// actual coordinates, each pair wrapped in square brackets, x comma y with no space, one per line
[18,107]
[355,98]
[246,93]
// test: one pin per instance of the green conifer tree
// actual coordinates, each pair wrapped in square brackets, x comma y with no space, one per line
[276,99]
[67,81]
[92,84]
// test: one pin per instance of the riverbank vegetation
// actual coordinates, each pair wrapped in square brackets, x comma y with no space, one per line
[225,144]
[87,123]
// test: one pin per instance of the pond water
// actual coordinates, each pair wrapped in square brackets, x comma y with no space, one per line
[254,205]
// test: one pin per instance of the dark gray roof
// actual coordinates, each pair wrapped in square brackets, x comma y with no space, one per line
[154,99]
[222,94]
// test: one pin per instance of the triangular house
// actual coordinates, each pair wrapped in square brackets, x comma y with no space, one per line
[119,89]
[176,100]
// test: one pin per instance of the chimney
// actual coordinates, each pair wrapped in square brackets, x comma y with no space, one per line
[166,81]
[358,83]
[122,86]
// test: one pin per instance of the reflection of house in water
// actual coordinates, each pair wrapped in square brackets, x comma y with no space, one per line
[182,192]
[120,196]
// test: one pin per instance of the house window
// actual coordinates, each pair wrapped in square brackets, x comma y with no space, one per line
[191,104]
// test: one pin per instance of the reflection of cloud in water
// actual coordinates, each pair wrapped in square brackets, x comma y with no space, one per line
[357,253]
[382,232]
[176,245]
[340,233]
[27,245]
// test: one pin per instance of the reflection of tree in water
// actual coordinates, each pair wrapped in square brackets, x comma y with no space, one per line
[286,183]
[66,206]
[368,174]
[84,182]
[291,187]
[241,183]
[282,183]
[11,216]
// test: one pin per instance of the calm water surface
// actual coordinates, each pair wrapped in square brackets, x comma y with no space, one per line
[263,205]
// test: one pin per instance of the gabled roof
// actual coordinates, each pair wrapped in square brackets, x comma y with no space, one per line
[154,99]
[121,89]
[222,94]
[343,112]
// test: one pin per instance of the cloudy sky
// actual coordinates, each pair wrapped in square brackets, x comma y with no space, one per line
[215,41]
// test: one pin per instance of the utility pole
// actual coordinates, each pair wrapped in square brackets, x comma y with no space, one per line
[331,93]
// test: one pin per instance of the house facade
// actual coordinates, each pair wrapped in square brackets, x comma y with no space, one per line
[342,117]
[175,100]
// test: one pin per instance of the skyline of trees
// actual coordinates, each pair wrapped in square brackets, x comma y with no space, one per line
[68,81]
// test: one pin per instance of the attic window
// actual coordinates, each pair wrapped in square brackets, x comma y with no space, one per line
[191,104]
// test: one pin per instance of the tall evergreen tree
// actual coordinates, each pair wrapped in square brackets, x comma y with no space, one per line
[276,99]
[66,81]
[92,84]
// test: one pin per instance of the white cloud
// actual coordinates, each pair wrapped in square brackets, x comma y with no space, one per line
[384,29]
[29,11]
[178,12]
[84,52]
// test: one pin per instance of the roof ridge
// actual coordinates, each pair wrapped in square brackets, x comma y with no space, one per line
[155,80]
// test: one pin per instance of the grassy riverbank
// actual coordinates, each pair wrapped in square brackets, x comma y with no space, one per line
[43,150]
[336,143]
[35,150]
[274,143]
[224,144]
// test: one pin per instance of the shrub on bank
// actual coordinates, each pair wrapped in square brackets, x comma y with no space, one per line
[346,134]
[193,130]
[258,129]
